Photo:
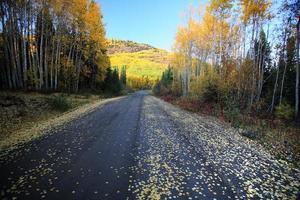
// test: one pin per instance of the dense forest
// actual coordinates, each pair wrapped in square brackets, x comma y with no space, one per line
[242,55]
[53,45]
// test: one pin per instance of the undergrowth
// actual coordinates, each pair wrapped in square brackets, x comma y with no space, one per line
[59,102]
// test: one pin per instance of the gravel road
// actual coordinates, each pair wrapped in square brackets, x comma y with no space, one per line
[139,147]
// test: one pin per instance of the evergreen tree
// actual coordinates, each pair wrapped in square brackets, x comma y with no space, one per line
[167,77]
[112,82]
[123,76]
[116,84]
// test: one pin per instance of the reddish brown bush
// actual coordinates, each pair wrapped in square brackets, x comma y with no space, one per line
[189,104]
[168,98]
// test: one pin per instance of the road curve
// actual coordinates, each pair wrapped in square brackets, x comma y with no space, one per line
[139,147]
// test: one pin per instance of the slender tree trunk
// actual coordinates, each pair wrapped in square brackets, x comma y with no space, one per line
[6,48]
[24,49]
[35,61]
[283,57]
[262,68]
[16,39]
[18,64]
[41,53]
[282,81]
[8,69]
[28,47]
[259,58]
[297,71]
[56,65]
[46,63]
[10,48]
[244,42]
[189,68]
[253,68]
[274,91]
[78,73]
[52,62]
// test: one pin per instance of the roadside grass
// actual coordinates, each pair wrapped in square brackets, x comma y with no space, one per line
[59,102]
[279,137]
[21,110]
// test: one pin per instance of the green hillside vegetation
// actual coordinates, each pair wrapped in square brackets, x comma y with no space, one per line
[143,63]
[140,59]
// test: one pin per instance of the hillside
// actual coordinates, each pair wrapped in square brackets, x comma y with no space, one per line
[126,46]
[140,59]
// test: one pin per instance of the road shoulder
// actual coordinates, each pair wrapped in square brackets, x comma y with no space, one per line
[242,162]
[43,127]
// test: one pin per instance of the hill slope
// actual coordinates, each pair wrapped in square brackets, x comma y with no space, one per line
[140,59]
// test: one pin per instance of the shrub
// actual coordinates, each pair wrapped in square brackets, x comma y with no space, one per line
[87,95]
[210,93]
[176,89]
[168,98]
[284,111]
[159,89]
[189,104]
[232,113]
[59,102]
[217,110]
[208,88]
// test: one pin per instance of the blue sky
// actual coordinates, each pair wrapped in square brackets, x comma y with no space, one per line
[148,21]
